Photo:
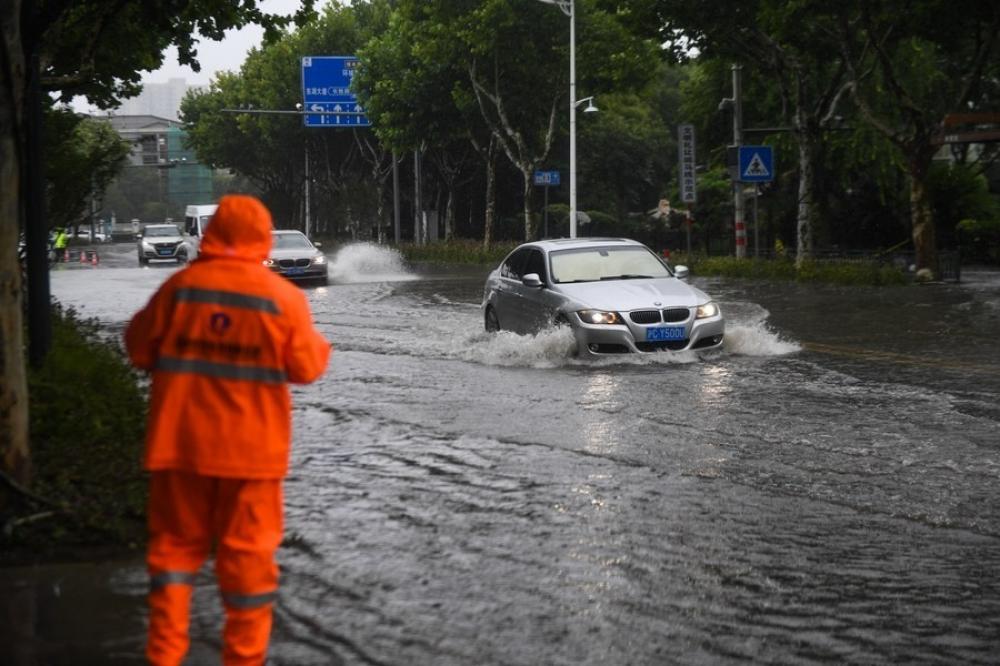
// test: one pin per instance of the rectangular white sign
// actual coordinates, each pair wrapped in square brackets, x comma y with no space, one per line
[685,147]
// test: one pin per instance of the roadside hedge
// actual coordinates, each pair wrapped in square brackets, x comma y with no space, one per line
[87,419]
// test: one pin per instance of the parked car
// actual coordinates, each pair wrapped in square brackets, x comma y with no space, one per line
[616,294]
[297,258]
[161,242]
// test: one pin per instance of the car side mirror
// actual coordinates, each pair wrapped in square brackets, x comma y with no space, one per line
[531,280]
[138,236]
[681,272]
[317,244]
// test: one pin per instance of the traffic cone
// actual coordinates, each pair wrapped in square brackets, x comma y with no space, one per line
[83,256]
[66,254]
[93,258]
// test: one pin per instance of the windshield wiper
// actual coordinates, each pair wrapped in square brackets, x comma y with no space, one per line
[626,276]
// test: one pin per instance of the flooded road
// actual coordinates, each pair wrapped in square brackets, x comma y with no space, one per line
[825,489]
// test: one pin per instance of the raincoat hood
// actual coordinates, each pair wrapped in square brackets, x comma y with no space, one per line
[240,229]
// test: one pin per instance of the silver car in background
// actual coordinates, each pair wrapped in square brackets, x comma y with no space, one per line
[616,294]
[294,256]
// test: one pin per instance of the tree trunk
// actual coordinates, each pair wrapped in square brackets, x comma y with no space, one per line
[807,185]
[449,214]
[922,217]
[15,455]
[529,226]
[491,193]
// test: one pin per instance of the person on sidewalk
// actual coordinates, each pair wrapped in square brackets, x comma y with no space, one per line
[60,243]
[223,338]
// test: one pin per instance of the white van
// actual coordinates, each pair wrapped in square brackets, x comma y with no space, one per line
[196,218]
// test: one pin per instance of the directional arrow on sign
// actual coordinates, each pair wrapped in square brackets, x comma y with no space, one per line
[318,108]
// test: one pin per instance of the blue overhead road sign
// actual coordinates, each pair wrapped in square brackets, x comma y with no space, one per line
[326,90]
[756,164]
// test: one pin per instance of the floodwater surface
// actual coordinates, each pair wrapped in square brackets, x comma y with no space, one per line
[824,489]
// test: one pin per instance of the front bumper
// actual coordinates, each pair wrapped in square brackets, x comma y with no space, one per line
[164,252]
[603,339]
[302,273]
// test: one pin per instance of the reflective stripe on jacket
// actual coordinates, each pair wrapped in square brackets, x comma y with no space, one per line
[222,338]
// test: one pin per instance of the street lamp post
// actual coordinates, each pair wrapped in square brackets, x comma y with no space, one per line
[567,7]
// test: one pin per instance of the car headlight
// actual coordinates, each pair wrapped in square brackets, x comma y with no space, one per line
[319,261]
[707,310]
[599,317]
[268,262]
[147,247]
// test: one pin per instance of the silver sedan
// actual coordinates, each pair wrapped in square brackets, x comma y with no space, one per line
[297,258]
[616,294]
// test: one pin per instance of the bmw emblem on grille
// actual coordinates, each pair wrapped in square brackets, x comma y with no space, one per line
[657,303]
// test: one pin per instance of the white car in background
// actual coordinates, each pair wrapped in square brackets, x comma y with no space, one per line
[161,242]
[616,294]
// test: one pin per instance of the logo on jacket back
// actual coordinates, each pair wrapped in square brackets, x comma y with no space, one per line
[220,323]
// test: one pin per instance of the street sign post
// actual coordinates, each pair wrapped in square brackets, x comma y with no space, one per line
[326,91]
[756,164]
[546,179]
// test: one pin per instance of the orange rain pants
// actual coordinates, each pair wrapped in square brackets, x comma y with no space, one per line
[187,513]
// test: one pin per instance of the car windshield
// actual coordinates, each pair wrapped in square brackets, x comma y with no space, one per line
[163,231]
[291,242]
[605,263]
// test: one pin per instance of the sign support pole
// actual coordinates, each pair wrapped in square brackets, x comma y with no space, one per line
[739,222]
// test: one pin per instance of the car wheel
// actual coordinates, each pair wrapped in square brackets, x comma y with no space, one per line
[491,321]
[560,320]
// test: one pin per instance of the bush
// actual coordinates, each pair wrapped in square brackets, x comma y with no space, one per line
[457,252]
[827,271]
[87,419]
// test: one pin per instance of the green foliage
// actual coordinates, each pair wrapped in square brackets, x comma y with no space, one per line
[457,252]
[99,49]
[825,271]
[87,422]
[83,156]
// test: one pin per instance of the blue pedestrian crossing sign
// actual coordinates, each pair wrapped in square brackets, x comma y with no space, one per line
[756,164]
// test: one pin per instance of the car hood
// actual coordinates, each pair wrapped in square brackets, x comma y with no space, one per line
[293,253]
[624,295]
[162,239]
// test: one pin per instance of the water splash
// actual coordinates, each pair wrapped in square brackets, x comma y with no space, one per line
[548,348]
[756,339]
[366,262]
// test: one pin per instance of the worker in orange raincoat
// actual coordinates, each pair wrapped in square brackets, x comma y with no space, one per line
[222,337]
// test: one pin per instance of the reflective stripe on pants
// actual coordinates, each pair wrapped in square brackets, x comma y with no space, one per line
[187,513]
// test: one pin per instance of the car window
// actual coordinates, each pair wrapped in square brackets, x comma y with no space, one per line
[513,268]
[291,242]
[535,264]
[605,263]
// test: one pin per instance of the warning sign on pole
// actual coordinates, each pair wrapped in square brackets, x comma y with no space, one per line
[756,164]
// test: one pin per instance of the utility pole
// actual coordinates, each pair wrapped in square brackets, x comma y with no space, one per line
[395,197]
[306,151]
[739,216]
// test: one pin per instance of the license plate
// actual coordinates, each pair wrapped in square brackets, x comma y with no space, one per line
[663,333]
[294,271]
[166,252]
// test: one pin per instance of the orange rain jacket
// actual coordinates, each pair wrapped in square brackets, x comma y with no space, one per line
[223,337]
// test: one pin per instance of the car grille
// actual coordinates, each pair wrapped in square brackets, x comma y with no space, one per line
[672,345]
[165,246]
[289,263]
[645,316]
[676,314]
